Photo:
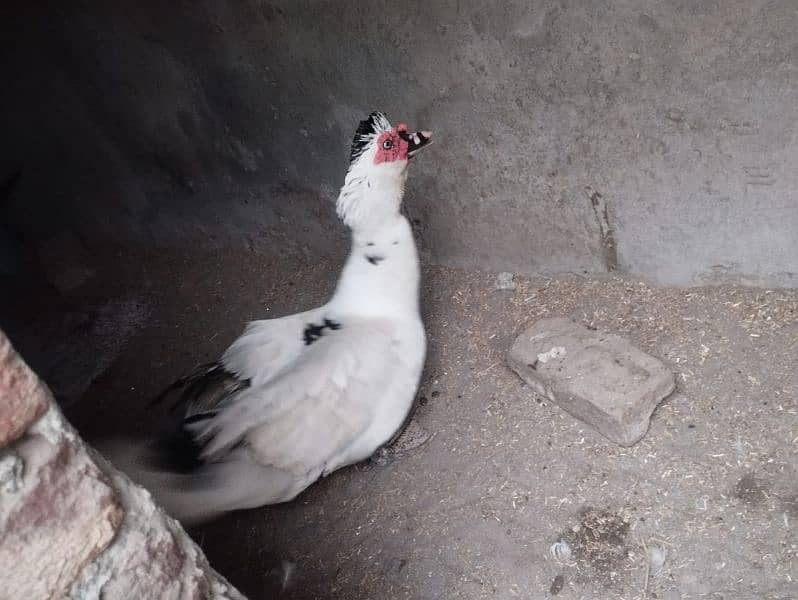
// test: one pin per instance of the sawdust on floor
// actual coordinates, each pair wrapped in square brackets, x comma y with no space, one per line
[710,494]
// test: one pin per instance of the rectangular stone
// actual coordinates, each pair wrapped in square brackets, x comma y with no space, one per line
[23,397]
[599,378]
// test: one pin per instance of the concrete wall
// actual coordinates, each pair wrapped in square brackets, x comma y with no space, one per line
[656,138]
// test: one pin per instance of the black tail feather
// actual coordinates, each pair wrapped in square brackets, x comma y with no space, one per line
[197,373]
[198,396]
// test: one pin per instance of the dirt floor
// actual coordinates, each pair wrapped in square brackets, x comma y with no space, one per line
[511,497]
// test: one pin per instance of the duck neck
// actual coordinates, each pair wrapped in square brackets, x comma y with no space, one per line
[381,275]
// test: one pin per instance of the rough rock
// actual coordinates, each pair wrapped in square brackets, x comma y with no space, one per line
[600,378]
[62,515]
[71,526]
[23,398]
[151,557]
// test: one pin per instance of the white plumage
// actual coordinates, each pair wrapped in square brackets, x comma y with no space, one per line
[298,397]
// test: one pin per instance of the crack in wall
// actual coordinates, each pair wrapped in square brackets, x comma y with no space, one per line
[609,249]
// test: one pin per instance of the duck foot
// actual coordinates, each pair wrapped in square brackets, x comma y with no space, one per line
[410,438]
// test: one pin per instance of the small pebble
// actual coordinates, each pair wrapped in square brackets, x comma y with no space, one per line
[505,281]
[557,585]
[561,550]
[656,560]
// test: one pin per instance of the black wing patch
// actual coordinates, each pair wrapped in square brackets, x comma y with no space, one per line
[313,332]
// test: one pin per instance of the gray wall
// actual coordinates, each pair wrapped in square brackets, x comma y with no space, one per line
[655,138]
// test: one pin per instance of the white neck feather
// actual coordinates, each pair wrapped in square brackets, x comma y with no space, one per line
[381,275]
[371,193]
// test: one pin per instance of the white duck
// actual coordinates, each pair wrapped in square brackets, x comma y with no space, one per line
[298,397]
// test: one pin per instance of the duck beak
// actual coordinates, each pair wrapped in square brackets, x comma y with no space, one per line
[417,141]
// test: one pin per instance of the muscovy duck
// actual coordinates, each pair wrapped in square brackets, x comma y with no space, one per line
[297,397]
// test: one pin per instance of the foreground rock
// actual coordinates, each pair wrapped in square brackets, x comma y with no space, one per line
[601,379]
[71,525]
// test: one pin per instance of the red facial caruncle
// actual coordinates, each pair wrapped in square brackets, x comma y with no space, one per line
[391,146]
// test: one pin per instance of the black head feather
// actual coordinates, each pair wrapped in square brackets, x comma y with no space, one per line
[368,130]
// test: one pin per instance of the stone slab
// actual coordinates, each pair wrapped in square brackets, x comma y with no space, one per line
[599,378]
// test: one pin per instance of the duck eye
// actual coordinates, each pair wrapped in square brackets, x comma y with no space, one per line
[387,144]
